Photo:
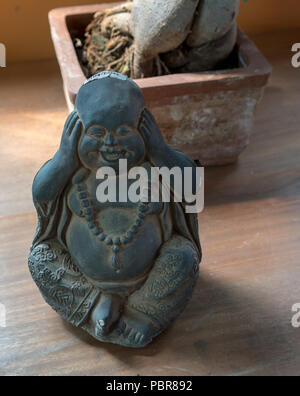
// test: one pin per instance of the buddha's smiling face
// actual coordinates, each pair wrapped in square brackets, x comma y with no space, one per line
[104,145]
[110,111]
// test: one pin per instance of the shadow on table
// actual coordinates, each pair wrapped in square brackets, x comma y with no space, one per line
[226,330]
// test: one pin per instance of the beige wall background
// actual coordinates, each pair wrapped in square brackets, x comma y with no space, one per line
[25,32]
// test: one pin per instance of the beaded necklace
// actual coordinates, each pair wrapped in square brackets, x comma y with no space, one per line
[116,242]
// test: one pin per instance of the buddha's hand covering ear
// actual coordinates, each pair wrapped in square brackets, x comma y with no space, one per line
[68,147]
[149,129]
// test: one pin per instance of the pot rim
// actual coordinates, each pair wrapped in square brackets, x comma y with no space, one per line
[255,70]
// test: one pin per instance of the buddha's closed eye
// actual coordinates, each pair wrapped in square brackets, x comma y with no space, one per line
[96,132]
[123,131]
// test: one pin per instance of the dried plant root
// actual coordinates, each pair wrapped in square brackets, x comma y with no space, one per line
[108,42]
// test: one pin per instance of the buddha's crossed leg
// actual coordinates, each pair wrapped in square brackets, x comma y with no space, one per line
[147,311]
[164,295]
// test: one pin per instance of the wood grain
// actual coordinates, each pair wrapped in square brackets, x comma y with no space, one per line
[239,321]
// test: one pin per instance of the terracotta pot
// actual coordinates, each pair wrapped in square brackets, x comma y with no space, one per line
[208,115]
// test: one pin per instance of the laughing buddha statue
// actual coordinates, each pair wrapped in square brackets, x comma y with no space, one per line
[121,271]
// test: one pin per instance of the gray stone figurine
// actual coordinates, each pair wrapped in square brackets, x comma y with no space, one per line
[121,271]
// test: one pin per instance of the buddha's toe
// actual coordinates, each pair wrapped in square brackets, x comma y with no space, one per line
[130,333]
[136,331]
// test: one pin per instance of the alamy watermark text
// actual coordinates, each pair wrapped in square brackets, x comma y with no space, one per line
[2,55]
[296,317]
[296,57]
[159,185]
[2,316]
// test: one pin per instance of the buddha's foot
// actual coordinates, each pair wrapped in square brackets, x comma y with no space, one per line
[106,313]
[135,330]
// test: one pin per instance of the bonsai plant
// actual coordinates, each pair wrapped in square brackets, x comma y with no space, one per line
[143,38]
[207,75]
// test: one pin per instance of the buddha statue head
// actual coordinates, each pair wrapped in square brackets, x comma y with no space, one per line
[110,107]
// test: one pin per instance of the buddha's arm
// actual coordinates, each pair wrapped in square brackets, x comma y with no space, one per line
[162,155]
[55,174]
[171,159]
[51,180]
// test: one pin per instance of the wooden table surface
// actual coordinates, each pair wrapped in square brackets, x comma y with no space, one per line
[239,321]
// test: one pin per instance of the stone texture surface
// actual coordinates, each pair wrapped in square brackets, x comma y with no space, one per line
[213,20]
[212,127]
[164,31]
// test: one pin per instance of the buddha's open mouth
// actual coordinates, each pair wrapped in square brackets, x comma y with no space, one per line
[115,156]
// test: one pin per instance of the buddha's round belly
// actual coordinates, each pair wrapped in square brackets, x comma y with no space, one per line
[94,258]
